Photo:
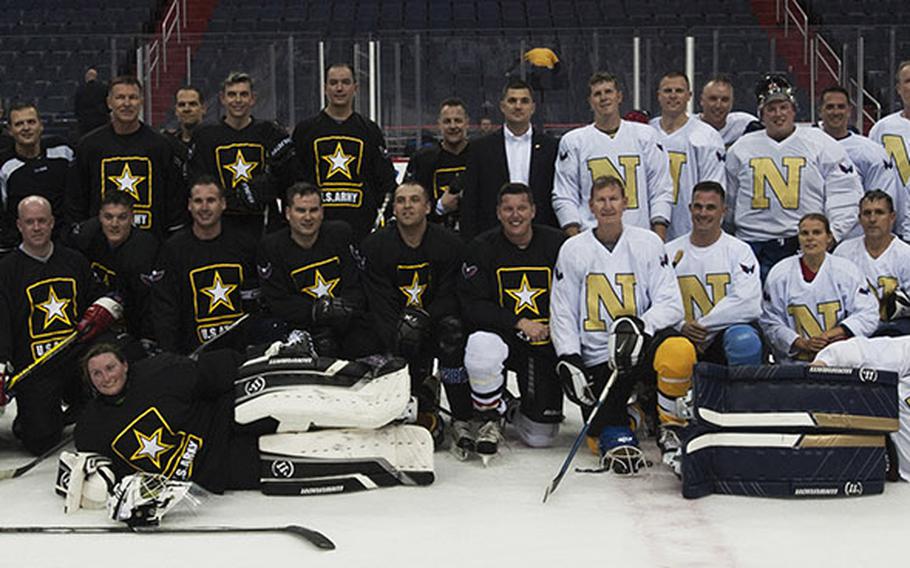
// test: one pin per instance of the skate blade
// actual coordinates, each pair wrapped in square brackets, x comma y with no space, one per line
[487,458]
[461,454]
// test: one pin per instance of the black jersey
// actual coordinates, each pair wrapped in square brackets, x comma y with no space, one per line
[183,151]
[398,276]
[349,162]
[439,170]
[292,277]
[140,164]
[203,286]
[254,164]
[47,175]
[501,283]
[173,418]
[127,269]
[41,302]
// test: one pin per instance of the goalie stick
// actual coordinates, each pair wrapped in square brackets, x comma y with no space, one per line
[21,470]
[195,354]
[314,537]
[551,488]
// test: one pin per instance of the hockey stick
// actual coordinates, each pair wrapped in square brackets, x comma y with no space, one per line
[385,203]
[195,354]
[42,360]
[312,536]
[551,488]
[21,470]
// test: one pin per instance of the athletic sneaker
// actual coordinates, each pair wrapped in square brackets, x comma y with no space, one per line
[462,434]
[619,450]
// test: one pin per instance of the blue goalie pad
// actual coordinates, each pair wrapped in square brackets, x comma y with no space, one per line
[782,465]
[795,398]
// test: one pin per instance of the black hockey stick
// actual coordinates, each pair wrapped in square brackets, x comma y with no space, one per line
[234,325]
[19,471]
[314,537]
[551,488]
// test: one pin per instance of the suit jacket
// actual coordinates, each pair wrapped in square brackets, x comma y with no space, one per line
[487,169]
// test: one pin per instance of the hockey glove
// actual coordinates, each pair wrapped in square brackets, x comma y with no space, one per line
[412,332]
[99,317]
[576,382]
[897,305]
[6,373]
[334,312]
[626,343]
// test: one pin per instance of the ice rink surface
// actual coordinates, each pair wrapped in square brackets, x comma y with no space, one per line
[477,517]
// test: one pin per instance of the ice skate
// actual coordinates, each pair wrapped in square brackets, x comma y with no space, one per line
[462,435]
[489,434]
[670,448]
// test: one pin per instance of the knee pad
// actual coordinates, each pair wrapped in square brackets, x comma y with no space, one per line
[742,345]
[535,434]
[673,362]
[485,355]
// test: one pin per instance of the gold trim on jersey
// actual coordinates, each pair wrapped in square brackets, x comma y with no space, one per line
[695,294]
[218,292]
[239,167]
[677,161]
[149,439]
[127,180]
[320,286]
[331,150]
[603,166]
[441,186]
[413,290]
[518,305]
[787,192]
[104,274]
[599,292]
[52,304]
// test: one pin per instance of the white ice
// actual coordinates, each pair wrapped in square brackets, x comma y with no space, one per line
[475,517]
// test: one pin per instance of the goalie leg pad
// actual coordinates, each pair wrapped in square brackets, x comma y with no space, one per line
[340,461]
[796,398]
[485,356]
[674,360]
[84,480]
[301,392]
[742,345]
[783,465]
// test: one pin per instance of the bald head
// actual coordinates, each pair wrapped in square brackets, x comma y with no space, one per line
[36,223]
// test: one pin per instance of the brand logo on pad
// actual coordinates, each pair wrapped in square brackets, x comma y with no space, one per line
[282,468]
[868,375]
[853,488]
[254,386]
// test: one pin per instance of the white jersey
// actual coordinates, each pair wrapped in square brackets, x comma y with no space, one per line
[792,307]
[633,155]
[891,270]
[890,354]
[696,153]
[771,184]
[719,283]
[877,171]
[594,285]
[893,133]
[734,127]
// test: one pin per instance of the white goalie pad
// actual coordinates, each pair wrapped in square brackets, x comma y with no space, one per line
[336,461]
[306,392]
[84,480]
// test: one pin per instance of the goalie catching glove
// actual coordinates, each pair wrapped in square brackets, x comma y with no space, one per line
[576,381]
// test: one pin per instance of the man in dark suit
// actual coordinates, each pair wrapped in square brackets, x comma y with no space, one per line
[515,153]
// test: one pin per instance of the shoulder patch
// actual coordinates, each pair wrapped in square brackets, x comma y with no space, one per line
[468,270]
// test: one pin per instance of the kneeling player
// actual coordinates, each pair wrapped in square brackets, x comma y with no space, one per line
[229,428]
[721,298]
[505,295]
[605,276]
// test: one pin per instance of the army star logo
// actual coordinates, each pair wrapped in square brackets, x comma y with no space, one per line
[414,292]
[219,293]
[338,162]
[321,287]
[150,447]
[525,296]
[54,309]
[127,182]
[240,169]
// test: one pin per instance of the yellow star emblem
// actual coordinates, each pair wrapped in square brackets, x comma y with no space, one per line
[525,296]
[322,287]
[241,170]
[150,447]
[414,292]
[54,309]
[219,293]
[338,162]
[127,182]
